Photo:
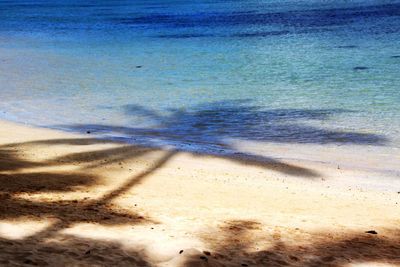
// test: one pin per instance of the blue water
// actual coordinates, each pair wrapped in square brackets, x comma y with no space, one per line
[203,73]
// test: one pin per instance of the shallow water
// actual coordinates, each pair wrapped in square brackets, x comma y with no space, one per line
[199,74]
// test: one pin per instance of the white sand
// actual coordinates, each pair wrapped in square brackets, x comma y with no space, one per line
[70,200]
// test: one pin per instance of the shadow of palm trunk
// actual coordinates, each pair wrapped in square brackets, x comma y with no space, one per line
[135,180]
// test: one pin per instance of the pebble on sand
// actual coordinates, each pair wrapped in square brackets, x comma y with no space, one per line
[204,258]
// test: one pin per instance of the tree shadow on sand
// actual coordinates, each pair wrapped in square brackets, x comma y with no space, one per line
[240,243]
[20,180]
[69,251]
[215,125]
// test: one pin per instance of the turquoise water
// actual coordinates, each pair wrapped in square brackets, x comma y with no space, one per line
[200,74]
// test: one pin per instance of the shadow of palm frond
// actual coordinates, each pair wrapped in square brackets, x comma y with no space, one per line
[44,182]
[30,181]
[218,122]
[19,180]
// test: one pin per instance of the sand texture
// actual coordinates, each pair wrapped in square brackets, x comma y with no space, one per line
[73,200]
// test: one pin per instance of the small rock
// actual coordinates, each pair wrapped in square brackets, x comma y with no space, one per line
[207,253]
[360,68]
[88,132]
[204,258]
[28,261]
[328,259]
[181,251]
[294,258]
[87,252]
[244,264]
[372,232]
[139,66]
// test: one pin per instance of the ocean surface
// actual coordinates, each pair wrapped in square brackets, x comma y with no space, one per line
[204,74]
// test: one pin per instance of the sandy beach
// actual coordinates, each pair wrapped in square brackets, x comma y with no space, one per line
[74,200]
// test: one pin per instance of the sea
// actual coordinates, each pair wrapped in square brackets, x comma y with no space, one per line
[205,75]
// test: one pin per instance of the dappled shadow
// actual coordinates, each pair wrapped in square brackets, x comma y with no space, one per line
[242,242]
[23,183]
[23,179]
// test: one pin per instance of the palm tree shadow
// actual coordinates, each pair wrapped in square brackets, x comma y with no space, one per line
[21,178]
[213,126]
[217,122]
[20,181]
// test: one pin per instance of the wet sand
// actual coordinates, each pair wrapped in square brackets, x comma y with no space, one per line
[73,200]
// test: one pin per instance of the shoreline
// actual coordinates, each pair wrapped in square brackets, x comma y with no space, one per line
[378,163]
[78,196]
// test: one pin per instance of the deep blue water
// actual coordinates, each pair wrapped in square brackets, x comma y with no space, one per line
[204,73]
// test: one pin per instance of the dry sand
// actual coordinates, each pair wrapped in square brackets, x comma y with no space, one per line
[72,200]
